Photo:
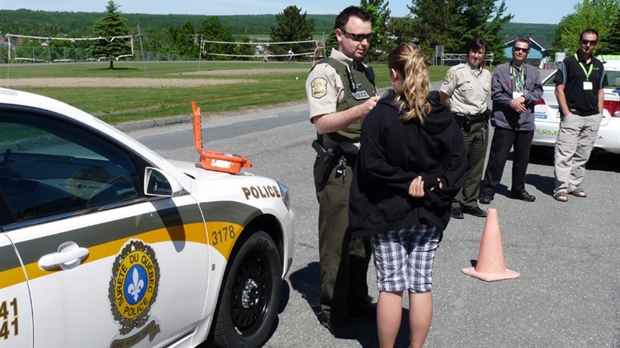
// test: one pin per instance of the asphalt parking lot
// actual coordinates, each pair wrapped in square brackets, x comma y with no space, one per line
[568,254]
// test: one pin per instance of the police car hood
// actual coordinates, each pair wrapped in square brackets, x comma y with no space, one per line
[441,116]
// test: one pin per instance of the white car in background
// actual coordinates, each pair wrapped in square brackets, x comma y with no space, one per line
[547,111]
[103,243]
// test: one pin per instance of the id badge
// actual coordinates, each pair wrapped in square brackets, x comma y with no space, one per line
[587,85]
[516,95]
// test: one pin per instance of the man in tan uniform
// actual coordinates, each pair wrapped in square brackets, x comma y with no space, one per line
[341,92]
[465,90]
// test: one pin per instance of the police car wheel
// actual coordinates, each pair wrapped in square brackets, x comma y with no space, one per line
[250,296]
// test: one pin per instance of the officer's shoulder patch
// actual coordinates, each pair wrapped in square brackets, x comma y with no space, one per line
[448,78]
[319,87]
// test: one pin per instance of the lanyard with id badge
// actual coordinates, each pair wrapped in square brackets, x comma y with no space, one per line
[518,76]
[587,85]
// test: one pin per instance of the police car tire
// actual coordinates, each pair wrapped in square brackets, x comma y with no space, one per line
[256,267]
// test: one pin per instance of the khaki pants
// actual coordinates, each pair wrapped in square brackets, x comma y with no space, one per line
[572,150]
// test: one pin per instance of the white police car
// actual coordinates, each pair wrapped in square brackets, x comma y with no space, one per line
[547,111]
[103,243]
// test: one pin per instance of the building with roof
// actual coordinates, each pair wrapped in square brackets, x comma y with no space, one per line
[540,49]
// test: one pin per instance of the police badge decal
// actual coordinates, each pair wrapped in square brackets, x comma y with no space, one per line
[132,292]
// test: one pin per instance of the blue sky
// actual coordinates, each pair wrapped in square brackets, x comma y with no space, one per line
[525,11]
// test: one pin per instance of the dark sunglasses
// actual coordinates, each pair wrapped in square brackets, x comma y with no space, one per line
[591,42]
[517,49]
[357,37]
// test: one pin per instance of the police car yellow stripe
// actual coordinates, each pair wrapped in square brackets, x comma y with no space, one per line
[12,277]
[168,217]
[172,223]
[224,236]
[194,233]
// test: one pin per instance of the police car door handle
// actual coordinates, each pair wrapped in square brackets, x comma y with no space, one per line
[68,256]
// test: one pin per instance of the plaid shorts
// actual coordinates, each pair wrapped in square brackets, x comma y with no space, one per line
[404,258]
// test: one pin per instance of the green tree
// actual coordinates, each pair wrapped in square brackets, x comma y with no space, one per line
[186,41]
[62,49]
[245,50]
[484,18]
[292,26]
[111,25]
[453,23]
[380,16]
[29,43]
[435,23]
[400,30]
[214,30]
[157,39]
[556,40]
[613,41]
[600,15]
[173,34]
[331,41]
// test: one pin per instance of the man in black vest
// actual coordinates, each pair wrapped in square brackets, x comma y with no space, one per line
[579,87]
[341,92]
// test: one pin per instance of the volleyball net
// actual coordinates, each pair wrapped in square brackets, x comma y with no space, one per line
[266,50]
[40,49]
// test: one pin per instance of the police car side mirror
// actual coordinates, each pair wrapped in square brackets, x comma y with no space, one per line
[159,184]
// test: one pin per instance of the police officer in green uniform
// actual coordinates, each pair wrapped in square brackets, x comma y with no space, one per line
[465,89]
[341,92]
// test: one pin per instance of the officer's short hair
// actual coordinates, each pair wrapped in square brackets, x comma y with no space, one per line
[343,18]
[477,44]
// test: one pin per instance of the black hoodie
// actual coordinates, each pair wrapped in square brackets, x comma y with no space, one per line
[393,153]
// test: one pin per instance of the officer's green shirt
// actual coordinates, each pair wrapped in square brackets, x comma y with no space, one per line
[468,89]
[329,91]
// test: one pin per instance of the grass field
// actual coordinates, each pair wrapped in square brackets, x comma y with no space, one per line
[128,93]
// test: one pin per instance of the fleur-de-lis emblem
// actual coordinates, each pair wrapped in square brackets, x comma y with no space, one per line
[136,287]
[139,288]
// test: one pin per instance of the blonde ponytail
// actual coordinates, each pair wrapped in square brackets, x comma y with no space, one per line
[408,60]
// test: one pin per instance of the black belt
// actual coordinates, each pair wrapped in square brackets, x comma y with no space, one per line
[471,119]
[346,150]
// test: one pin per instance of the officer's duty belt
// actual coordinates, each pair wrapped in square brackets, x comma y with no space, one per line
[471,119]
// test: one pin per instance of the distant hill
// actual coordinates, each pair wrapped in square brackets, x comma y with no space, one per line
[528,29]
[77,24]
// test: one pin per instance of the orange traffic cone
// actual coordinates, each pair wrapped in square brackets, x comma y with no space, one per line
[490,266]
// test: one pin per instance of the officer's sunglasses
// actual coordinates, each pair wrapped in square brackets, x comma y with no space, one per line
[357,37]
